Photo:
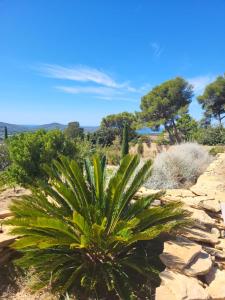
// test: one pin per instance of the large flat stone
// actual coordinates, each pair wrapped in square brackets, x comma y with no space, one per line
[178,254]
[163,293]
[216,281]
[199,235]
[200,265]
[211,205]
[200,216]
[182,286]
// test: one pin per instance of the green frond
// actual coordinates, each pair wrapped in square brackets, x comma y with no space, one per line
[91,234]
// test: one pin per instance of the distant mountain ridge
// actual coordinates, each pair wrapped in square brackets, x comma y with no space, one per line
[14,128]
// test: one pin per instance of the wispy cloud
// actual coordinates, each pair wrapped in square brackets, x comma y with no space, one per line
[97,90]
[92,81]
[78,73]
[157,49]
[200,82]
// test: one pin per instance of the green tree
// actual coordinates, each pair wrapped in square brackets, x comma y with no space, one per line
[125,143]
[117,121]
[164,104]
[187,126]
[92,236]
[5,132]
[29,151]
[213,99]
[73,130]
[104,136]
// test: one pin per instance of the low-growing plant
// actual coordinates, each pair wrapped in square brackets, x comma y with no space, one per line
[85,236]
[162,139]
[140,148]
[180,166]
[210,136]
[216,150]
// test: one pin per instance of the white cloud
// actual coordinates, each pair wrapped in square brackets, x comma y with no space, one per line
[200,82]
[102,85]
[157,49]
[78,73]
[99,90]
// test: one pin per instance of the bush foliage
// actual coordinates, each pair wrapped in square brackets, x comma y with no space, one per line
[180,166]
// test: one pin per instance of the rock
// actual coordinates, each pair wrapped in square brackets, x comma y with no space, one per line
[220,196]
[5,214]
[156,203]
[212,205]
[221,244]
[200,216]
[183,287]
[214,252]
[144,191]
[163,292]
[179,193]
[215,231]
[197,191]
[188,201]
[179,253]
[199,235]
[216,281]
[200,265]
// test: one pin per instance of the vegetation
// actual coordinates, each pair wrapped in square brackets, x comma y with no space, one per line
[140,148]
[117,121]
[213,99]
[210,135]
[73,130]
[216,150]
[91,236]
[179,167]
[4,157]
[187,127]
[125,143]
[29,151]
[164,104]
[5,133]
[104,136]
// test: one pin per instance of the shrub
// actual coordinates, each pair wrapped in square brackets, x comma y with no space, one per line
[29,151]
[216,150]
[140,148]
[180,166]
[162,140]
[4,157]
[84,236]
[210,136]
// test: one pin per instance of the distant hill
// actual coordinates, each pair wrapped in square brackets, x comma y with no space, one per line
[14,128]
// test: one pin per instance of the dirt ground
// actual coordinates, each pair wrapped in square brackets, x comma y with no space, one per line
[7,195]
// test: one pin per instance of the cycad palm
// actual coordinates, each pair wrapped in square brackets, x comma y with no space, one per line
[84,235]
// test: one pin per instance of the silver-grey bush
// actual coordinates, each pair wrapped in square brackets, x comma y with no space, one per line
[179,167]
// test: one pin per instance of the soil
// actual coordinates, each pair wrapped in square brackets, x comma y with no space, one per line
[7,195]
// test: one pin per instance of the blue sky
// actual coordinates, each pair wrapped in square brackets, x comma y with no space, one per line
[81,60]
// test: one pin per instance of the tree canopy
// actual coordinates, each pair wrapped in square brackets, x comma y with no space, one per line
[117,121]
[213,99]
[73,130]
[164,104]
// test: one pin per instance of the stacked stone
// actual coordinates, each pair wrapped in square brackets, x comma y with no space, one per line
[195,260]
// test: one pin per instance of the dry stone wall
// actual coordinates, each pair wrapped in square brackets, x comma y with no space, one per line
[195,260]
